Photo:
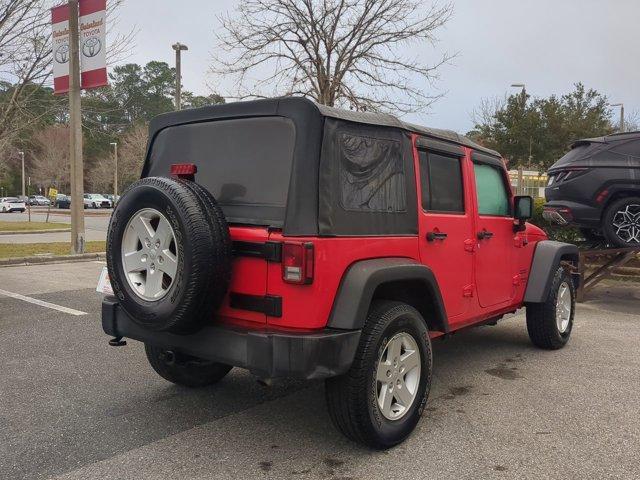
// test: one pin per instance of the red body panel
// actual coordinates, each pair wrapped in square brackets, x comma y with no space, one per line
[478,279]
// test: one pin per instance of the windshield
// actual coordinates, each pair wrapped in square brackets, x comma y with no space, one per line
[245,163]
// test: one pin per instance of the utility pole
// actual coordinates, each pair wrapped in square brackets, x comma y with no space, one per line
[179,48]
[75,124]
[115,171]
[22,156]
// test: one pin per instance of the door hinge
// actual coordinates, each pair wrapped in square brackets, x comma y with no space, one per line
[470,245]
[467,291]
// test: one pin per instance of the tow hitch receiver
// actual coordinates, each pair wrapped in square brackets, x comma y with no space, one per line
[117,342]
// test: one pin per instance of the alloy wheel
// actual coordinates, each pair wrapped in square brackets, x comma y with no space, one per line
[398,376]
[626,222]
[563,307]
[149,254]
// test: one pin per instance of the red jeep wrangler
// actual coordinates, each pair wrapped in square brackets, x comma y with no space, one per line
[293,239]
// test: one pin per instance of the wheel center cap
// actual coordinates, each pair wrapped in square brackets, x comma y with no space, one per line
[152,253]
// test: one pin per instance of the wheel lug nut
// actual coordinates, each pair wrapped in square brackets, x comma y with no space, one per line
[157,243]
[144,258]
[390,386]
[402,369]
[160,260]
[398,382]
[388,373]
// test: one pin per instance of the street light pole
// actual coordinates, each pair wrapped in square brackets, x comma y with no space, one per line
[22,156]
[621,105]
[179,48]
[520,174]
[75,127]
[115,170]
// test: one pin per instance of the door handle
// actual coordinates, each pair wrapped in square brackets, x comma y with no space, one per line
[433,236]
[484,235]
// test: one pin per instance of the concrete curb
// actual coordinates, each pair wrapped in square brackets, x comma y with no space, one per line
[29,232]
[25,261]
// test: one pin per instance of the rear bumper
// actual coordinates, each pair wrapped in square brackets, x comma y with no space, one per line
[572,213]
[265,353]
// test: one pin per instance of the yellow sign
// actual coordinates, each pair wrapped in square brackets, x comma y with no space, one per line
[53,193]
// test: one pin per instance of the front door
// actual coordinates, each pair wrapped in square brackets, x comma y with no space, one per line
[494,234]
[446,228]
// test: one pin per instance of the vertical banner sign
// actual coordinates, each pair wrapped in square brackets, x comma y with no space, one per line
[61,51]
[93,60]
[93,32]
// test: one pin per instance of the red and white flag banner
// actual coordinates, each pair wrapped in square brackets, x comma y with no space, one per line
[92,37]
[61,51]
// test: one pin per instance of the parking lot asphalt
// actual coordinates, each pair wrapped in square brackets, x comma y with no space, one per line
[96,226]
[71,407]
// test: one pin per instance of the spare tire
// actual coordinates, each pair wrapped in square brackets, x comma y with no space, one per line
[168,254]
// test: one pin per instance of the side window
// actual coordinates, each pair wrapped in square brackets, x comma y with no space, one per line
[493,198]
[441,182]
[371,174]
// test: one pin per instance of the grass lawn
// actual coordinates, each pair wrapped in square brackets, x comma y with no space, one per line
[27,226]
[13,250]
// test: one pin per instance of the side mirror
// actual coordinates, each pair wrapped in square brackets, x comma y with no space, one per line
[522,211]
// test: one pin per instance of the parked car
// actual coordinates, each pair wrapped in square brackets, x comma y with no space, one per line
[64,202]
[95,200]
[59,197]
[596,186]
[114,198]
[11,204]
[319,243]
[39,200]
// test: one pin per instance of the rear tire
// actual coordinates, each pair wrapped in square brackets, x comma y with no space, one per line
[356,400]
[621,222]
[200,259]
[549,323]
[183,369]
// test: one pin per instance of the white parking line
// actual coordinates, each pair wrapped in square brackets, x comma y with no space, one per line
[42,303]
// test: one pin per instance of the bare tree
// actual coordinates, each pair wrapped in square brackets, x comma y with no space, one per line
[25,59]
[360,54]
[50,160]
[131,154]
[25,50]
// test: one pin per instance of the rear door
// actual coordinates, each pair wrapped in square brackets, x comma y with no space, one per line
[494,233]
[446,227]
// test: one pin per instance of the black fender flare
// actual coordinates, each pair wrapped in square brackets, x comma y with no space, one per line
[546,260]
[361,280]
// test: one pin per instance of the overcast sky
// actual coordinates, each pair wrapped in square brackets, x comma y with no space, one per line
[547,44]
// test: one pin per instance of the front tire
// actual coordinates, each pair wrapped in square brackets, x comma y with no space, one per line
[549,323]
[379,401]
[183,369]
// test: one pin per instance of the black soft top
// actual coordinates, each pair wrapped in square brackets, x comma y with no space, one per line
[304,106]
[340,159]
[619,150]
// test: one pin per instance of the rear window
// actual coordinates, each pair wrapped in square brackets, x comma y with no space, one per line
[245,163]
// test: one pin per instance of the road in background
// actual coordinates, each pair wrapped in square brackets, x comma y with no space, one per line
[74,408]
[96,226]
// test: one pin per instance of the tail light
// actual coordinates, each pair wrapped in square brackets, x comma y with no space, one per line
[184,170]
[297,262]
